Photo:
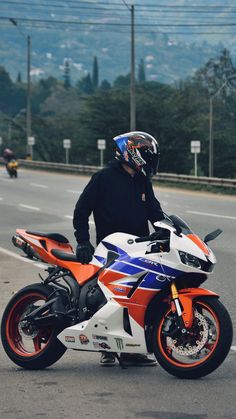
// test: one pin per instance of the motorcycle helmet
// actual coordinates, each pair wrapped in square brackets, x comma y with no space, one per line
[138,150]
[7,152]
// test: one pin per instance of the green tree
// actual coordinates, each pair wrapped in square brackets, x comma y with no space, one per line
[105,85]
[85,85]
[122,82]
[66,75]
[141,71]
[216,72]
[19,79]
[95,74]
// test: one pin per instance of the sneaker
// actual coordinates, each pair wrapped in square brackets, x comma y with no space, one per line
[108,359]
[138,360]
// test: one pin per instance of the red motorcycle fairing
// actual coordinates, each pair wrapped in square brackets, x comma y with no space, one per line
[186,297]
[44,246]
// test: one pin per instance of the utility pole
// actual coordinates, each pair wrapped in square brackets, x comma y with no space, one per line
[28,102]
[211,150]
[132,75]
[28,109]
[132,70]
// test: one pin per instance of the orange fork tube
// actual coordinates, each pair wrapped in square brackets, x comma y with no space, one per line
[186,297]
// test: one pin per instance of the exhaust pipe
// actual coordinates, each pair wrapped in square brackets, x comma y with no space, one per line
[21,244]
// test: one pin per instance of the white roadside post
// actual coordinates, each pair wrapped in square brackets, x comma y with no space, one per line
[31,143]
[67,146]
[195,149]
[101,144]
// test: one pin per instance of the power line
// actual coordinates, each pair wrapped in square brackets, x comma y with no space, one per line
[93,6]
[128,7]
[73,22]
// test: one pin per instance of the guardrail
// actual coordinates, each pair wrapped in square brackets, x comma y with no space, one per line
[167,177]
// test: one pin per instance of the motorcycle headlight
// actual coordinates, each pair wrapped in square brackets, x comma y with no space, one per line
[190,260]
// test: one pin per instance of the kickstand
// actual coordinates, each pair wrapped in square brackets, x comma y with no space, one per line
[120,361]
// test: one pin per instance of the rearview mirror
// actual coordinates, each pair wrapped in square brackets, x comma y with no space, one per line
[212,236]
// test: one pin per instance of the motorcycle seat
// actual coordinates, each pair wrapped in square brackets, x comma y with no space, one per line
[59,254]
[53,236]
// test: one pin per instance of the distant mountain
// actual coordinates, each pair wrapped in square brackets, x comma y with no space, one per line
[170,52]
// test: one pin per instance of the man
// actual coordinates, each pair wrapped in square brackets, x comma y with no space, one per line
[121,198]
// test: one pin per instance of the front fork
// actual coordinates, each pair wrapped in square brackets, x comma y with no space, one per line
[184,311]
[182,304]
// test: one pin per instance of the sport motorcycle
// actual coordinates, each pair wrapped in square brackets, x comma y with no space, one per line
[12,168]
[138,295]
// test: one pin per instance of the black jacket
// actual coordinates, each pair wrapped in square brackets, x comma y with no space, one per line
[119,202]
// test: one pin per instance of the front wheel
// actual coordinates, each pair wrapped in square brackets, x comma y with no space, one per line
[26,345]
[203,348]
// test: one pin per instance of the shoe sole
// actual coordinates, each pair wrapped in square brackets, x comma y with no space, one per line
[107,365]
[138,364]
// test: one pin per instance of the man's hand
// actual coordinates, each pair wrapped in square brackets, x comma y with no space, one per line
[84,252]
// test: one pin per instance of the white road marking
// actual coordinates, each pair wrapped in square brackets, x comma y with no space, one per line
[233,348]
[73,191]
[1,199]
[29,207]
[7,180]
[22,258]
[40,265]
[209,214]
[38,185]
[71,218]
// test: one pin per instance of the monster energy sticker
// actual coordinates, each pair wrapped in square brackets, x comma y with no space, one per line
[119,343]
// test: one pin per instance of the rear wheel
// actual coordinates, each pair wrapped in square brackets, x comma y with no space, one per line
[27,345]
[203,348]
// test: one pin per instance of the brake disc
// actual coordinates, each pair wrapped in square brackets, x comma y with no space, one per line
[25,329]
[189,350]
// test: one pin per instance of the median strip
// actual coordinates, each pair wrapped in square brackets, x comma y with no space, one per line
[208,214]
[38,185]
[22,258]
[74,191]
[29,207]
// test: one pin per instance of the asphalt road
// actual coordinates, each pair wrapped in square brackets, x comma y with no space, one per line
[76,386]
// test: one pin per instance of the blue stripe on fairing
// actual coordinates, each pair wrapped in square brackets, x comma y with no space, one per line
[151,280]
[162,269]
[100,259]
[114,248]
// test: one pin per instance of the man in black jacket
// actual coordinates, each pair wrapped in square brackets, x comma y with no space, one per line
[121,198]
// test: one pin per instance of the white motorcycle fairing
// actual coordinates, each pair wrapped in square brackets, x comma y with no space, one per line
[105,330]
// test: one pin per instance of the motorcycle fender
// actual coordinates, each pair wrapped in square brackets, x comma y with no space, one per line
[186,297]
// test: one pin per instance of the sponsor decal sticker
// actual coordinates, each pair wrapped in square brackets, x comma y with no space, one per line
[69,339]
[150,262]
[83,339]
[119,343]
[132,344]
[119,289]
[99,337]
[101,345]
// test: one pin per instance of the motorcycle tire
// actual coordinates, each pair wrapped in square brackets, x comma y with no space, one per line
[202,349]
[27,346]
